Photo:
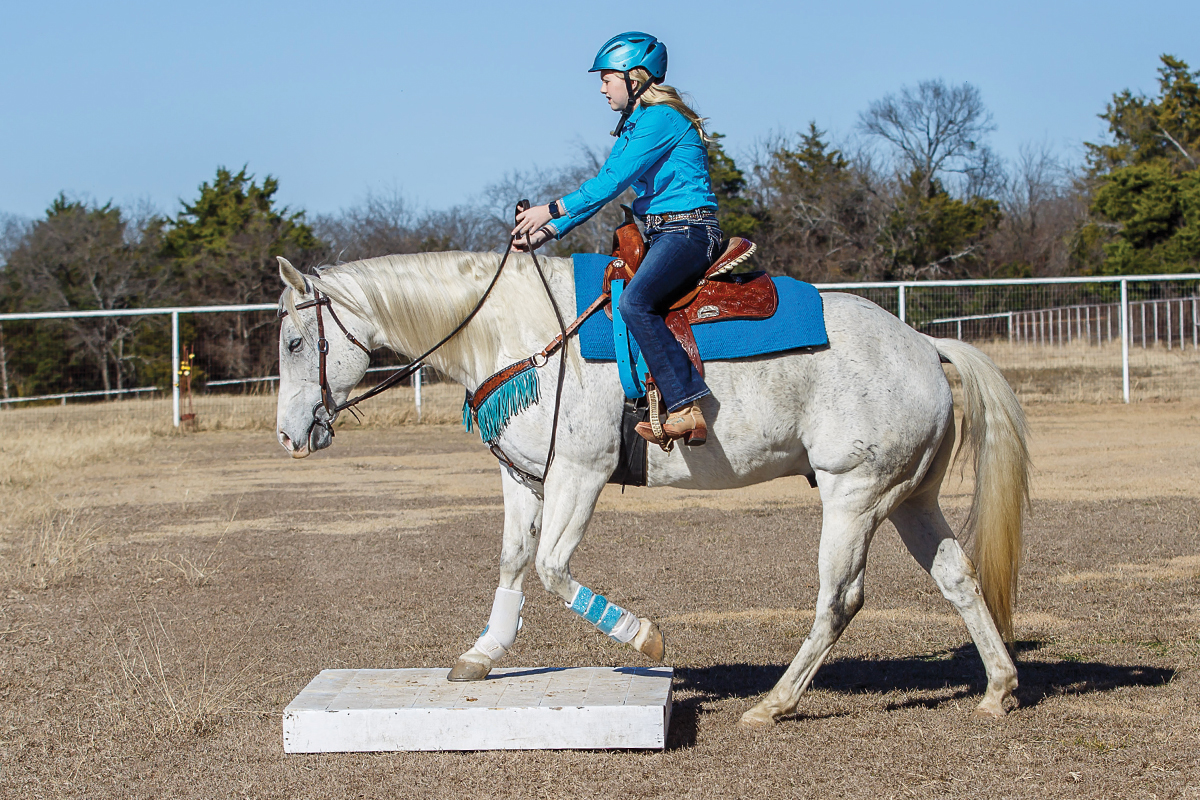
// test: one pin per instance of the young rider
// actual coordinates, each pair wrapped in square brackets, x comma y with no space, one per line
[661,151]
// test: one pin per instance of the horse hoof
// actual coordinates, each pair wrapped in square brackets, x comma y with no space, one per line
[990,711]
[468,671]
[649,641]
[756,719]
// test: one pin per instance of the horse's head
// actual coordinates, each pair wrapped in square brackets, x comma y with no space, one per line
[319,363]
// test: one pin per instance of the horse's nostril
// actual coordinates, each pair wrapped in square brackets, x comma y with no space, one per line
[285,440]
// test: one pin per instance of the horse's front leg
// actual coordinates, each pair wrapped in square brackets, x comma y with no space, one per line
[522,522]
[571,496]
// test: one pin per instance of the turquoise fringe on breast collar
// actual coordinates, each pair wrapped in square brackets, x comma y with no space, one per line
[493,415]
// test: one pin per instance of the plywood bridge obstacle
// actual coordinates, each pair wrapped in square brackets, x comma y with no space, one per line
[535,708]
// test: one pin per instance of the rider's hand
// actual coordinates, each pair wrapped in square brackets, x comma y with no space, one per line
[531,220]
[539,238]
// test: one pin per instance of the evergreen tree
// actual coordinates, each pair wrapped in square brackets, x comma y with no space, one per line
[929,232]
[1165,129]
[224,247]
[224,244]
[815,211]
[734,210]
[1147,179]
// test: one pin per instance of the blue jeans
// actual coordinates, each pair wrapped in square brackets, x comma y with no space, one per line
[680,252]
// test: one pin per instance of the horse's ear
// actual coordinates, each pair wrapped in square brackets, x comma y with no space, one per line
[292,276]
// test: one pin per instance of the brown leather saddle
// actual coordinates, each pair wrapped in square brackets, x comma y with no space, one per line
[720,295]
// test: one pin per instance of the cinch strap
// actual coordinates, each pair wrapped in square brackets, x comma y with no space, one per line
[619,624]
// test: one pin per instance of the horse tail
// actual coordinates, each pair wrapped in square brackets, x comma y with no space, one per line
[994,431]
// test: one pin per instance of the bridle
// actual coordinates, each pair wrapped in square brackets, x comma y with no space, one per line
[327,402]
[332,408]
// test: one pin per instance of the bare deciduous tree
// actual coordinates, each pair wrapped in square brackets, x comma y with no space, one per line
[90,257]
[387,223]
[935,129]
[1043,206]
[12,230]
[542,186]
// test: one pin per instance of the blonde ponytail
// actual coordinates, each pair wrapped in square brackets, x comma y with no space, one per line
[660,94]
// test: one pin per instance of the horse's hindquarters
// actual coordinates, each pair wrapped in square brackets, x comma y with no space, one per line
[874,401]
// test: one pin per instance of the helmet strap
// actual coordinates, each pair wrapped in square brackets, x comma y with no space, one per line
[632,101]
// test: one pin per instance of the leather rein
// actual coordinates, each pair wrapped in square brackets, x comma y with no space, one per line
[332,408]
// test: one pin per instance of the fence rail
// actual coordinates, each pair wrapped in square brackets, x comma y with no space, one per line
[1031,328]
[64,396]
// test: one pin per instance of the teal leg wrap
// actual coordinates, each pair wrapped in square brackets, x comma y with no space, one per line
[610,618]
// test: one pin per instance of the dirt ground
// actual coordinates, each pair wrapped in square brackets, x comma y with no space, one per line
[164,597]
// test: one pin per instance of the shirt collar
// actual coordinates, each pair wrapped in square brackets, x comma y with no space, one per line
[634,117]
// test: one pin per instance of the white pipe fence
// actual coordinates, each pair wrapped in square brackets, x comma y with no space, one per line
[64,396]
[1094,323]
[1146,323]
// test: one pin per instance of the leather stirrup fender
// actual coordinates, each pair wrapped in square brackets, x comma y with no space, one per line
[679,324]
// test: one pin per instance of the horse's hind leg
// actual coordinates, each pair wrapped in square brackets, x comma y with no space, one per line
[845,535]
[928,537]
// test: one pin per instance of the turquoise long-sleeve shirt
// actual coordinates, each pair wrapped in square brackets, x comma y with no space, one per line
[661,156]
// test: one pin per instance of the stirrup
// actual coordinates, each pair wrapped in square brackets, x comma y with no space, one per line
[654,399]
[656,429]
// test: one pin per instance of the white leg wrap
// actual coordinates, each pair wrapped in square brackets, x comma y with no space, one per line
[503,624]
[609,617]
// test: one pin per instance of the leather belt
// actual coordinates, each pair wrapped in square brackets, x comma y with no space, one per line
[695,215]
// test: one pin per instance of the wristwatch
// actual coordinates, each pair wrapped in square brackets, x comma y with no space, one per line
[555,211]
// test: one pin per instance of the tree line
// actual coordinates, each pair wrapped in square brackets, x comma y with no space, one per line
[914,192]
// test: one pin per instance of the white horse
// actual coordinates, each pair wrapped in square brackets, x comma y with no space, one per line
[870,417]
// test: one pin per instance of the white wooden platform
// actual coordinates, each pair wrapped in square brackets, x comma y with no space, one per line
[534,708]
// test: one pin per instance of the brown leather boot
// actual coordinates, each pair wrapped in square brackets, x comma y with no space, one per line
[687,424]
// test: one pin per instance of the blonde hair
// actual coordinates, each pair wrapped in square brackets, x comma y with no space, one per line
[659,94]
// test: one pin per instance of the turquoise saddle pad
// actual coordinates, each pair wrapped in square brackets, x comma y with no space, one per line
[799,322]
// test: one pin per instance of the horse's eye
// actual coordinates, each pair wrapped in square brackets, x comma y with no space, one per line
[294,344]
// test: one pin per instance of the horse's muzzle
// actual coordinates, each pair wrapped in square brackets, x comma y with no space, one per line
[290,446]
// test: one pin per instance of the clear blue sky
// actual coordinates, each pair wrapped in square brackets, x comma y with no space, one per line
[127,100]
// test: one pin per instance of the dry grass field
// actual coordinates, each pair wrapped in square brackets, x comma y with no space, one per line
[164,595]
[1079,372]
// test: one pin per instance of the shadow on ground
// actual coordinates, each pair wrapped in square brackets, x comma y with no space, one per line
[938,679]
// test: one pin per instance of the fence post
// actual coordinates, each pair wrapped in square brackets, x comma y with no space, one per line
[900,305]
[4,360]
[175,368]
[416,382]
[1125,339]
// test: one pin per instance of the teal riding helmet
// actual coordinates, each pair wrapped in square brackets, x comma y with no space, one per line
[633,49]
[628,51]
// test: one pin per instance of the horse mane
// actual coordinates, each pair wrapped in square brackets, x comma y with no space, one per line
[416,299]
